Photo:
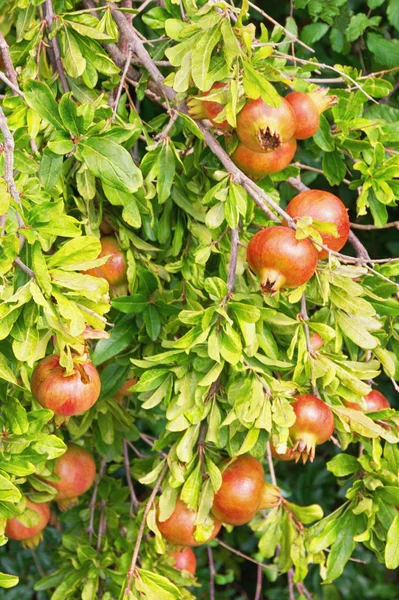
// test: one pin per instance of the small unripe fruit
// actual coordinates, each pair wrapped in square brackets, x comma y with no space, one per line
[115,269]
[200,108]
[374,402]
[77,470]
[307,109]
[185,560]
[125,389]
[65,396]
[326,208]
[263,128]
[280,260]
[314,425]
[29,536]
[257,165]
[316,342]
[271,496]
[180,527]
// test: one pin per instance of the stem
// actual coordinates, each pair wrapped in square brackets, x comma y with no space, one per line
[259,583]
[121,83]
[140,534]
[270,463]
[372,226]
[304,591]
[305,318]
[23,267]
[8,176]
[291,591]
[5,53]
[231,279]
[55,46]
[212,573]
[245,556]
[93,500]
[134,503]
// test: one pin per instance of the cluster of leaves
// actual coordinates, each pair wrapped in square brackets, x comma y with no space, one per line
[217,364]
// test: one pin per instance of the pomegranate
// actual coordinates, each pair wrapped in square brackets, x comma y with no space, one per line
[179,528]
[77,470]
[257,165]
[314,425]
[65,396]
[316,342]
[289,454]
[200,108]
[326,208]
[263,128]
[185,560]
[307,109]
[374,402]
[115,269]
[280,260]
[29,536]
[125,390]
[271,496]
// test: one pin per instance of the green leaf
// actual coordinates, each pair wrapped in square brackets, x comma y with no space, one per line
[74,61]
[167,168]
[39,97]
[334,167]
[392,547]
[75,252]
[121,336]
[386,53]
[51,445]
[393,13]
[201,57]
[256,86]
[354,329]
[323,136]
[5,371]
[15,416]
[50,169]
[313,32]
[73,123]
[152,321]
[8,581]
[343,465]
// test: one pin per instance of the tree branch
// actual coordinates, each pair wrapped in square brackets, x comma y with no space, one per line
[375,227]
[121,83]
[9,147]
[231,278]
[24,267]
[93,500]
[9,67]
[55,46]
[245,556]
[291,591]
[270,463]
[305,318]
[212,573]
[259,583]
[134,503]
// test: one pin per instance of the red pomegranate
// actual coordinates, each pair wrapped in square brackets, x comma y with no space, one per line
[65,396]
[200,108]
[316,342]
[115,269]
[314,425]
[180,527]
[257,165]
[263,128]
[307,109]
[280,260]
[125,389]
[77,470]
[185,560]
[374,402]
[29,536]
[326,208]
[289,454]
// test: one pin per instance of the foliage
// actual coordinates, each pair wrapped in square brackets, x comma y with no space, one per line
[94,138]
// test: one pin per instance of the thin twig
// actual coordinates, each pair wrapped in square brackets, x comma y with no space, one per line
[231,278]
[9,67]
[102,525]
[371,227]
[270,463]
[212,574]
[165,132]
[23,267]
[121,83]
[305,318]
[291,591]
[8,176]
[245,556]
[55,46]
[93,500]
[134,503]
[302,589]
[361,251]
[259,583]
[130,573]
[38,564]
[314,170]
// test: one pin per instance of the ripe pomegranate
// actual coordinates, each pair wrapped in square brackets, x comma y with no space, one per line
[65,396]
[316,341]
[257,165]
[307,109]
[77,470]
[185,560]
[314,425]
[29,536]
[280,260]
[179,528]
[124,390]
[115,269]
[374,401]
[263,128]
[289,454]
[327,208]
[199,108]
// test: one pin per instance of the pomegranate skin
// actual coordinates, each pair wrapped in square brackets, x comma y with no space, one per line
[115,269]
[257,165]
[77,470]
[314,425]
[31,536]
[316,342]
[65,396]
[289,454]
[124,390]
[185,560]
[179,528]
[280,260]
[327,208]
[199,109]
[307,109]
[375,401]
[240,495]
[263,128]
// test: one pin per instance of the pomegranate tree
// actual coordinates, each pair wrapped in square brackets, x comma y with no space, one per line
[76,470]
[280,260]
[326,208]
[115,269]
[263,128]
[257,165]
[179,528]
[307,109]
[65,395]
[185,560]
[29,536]
[313,426]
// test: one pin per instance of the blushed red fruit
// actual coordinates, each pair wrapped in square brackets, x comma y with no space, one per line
[326,208]
[115,269]
[316,341]
[185,560]
[180,527]
[314,425]
[65,396]
[280,260]
[374,402]
[289,454]
[263,128]
[77,470]
[200,108]
[125,389]
[307,109]
[240,495]
[257,165]
[30,536]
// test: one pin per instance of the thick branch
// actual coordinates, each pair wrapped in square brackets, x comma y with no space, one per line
[5,53]
[9,163]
